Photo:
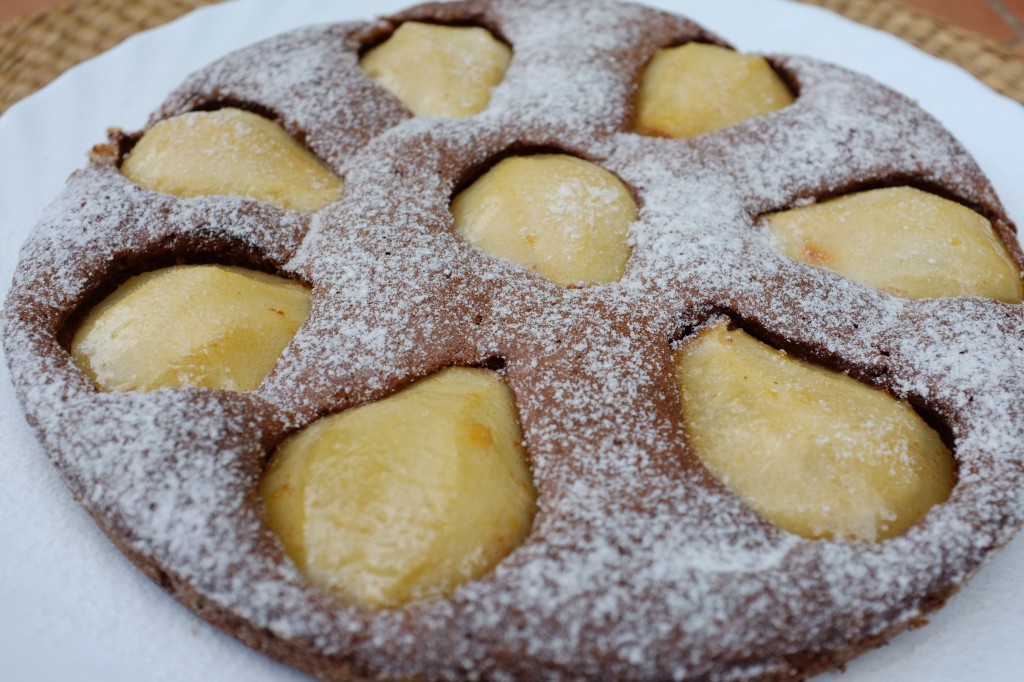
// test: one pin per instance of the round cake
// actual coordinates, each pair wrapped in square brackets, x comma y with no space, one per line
[640,559]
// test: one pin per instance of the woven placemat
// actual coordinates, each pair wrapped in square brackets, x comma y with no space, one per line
[987,60]
[38,47]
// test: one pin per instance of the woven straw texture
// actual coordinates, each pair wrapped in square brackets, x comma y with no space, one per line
[36,48]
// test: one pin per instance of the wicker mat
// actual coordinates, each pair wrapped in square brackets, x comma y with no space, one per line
[38,47]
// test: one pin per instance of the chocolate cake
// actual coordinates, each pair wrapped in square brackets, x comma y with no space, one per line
[640,564]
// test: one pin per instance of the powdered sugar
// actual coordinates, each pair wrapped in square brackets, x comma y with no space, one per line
[639,564]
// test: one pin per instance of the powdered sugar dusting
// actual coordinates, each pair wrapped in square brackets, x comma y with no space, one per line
[639,564]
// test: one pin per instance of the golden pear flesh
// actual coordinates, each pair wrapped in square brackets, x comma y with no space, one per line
[560,216]
[697,88]
[196,325]
[814,451]
[439,70]
[230,152]
[408,497]
[901,240]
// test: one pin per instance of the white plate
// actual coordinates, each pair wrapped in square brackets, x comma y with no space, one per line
[72,608]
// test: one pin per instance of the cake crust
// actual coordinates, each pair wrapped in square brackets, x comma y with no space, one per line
[640,565]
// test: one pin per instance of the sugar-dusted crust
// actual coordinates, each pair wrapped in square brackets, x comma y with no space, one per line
[639,565]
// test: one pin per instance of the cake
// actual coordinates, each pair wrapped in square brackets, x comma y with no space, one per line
[641,559]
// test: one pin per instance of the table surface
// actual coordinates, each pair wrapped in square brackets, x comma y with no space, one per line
[40,39]
[1000,20]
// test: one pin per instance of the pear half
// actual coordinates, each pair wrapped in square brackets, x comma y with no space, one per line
[815,452]
[195,325]
[439,70]
[903,241]
[406,498]
[562,217]
[697,88]
[230,152]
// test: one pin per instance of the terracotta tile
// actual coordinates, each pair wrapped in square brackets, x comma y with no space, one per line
[9,9]
[974,15]
[1016,8]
